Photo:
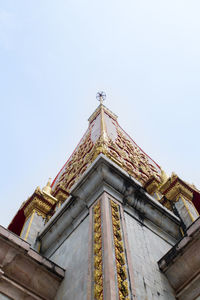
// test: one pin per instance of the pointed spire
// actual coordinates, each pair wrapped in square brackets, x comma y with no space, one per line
[47,188]
[101,145]
[101,96]
[105,136]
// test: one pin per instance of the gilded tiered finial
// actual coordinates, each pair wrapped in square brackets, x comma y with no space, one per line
[101,96]
[47,188]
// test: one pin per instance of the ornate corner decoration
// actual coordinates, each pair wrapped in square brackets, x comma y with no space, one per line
[152,185]
[97,253]
[41,207]
[175,187]
[121,150]
[76,166]
[41,202]
[120,257]
[61,194]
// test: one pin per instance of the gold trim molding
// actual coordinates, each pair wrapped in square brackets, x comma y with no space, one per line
[41,202]
[29,225]
[174,187]
[97,252]
[152,185]
[38,205]
[122,151]
[120,258]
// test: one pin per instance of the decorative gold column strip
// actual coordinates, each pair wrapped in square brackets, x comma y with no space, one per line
[120,258]
[97,252]
[187,208]
[29,225]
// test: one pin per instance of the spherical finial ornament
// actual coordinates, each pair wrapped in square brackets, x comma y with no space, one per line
[101,96]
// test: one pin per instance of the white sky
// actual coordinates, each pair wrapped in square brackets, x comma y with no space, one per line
[55,56]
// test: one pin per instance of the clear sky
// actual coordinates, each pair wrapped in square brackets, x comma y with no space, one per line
[55,56]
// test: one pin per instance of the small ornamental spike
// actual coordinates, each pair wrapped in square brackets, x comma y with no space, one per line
[49,182]
[47,188]
[101,96]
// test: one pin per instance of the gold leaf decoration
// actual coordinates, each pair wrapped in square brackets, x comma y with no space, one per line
[97,252]
[122,277]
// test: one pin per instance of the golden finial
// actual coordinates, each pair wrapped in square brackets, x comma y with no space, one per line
[47,188]
[101,96]
[164,176]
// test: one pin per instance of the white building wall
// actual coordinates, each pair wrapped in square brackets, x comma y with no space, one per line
[72,255]
[146,248]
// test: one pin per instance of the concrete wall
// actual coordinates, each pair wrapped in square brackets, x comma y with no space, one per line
[181,264]
[186,211]
[25,227]
[36,224]
[65,238]
[72,255]
[146,248]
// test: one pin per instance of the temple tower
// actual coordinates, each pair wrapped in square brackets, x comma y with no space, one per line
[108,217]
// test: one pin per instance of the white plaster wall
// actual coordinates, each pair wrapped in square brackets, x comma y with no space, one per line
[72,255]
[111,128]
[96,129]
[146,248]
[36,225]
[183,206]
[25,227]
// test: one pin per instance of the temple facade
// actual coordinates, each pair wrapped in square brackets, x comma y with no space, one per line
[111,225]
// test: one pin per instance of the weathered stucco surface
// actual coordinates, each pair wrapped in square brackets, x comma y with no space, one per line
[37,222]
[65,238]
[146,249]
[72,255]
[181,264]
[24,273]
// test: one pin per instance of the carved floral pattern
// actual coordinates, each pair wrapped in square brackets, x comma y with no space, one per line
[97,252]
[122,277]
[131,158]
[122,150]
[78,163]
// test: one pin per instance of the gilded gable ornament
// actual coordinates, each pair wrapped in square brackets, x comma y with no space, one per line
[118,147]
